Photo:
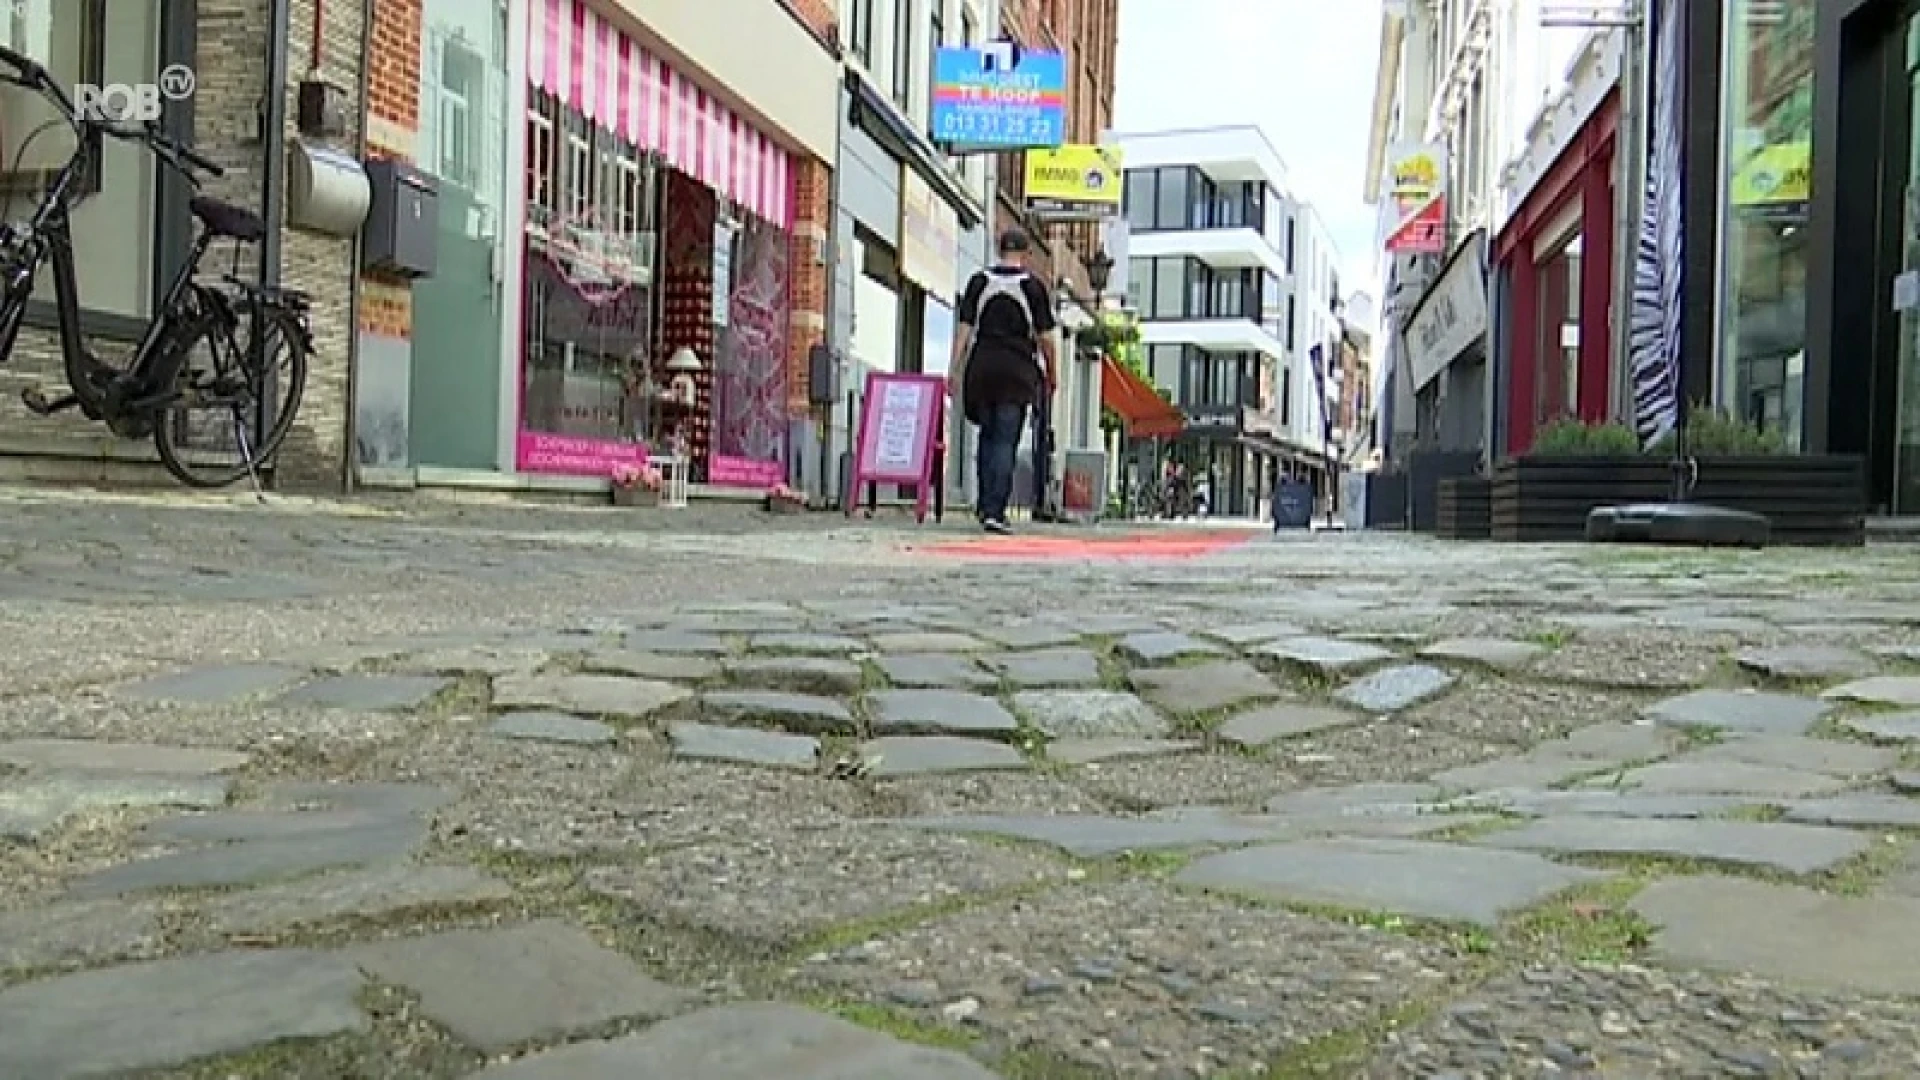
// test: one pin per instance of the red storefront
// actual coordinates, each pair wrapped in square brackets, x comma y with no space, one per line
[1556,258]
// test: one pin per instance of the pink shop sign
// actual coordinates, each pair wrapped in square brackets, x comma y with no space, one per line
[570,455]
[724,471]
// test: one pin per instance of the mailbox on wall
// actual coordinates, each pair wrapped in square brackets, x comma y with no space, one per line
[403,227]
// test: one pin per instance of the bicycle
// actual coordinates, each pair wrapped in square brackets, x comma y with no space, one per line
[150,395]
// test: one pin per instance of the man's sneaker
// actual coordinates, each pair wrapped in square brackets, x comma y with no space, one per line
[997,526]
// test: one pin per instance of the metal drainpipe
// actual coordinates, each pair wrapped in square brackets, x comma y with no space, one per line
[1629,196]
[828,474]
[273,194]
[353,271]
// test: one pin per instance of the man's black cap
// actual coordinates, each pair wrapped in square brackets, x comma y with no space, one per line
[1013,241]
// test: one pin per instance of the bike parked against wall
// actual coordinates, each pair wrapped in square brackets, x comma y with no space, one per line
[193,357]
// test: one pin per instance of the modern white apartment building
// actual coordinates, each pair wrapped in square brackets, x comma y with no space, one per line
[1233,280]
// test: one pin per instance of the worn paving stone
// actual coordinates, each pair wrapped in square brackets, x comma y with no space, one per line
[478,659]
[678,642]
[1205,688]
[1616,742]
[1725,778]
[936,671]
[1093,836]
[1603,803]
[778,888]
[939,712]
[1783,932]
[1164,647]
[801,674]
[749,1041]
[1262,727]
[1898,691]
[382,798]
[1796,849]
[1097,751]
[364,693]
[553,727]
[928,641]
[1049,668]
[919,755]
[73,934]
[1866,810]
[1090,714]
[666,667]
[1132,978]
[744,746]
[35,804]
[376,893]
[1534,770]
[496,989]
[802,714]
[587,695]
[215,685]
[807,644]
[1752,711]
[1907,783]
[1033,635]
[1798,752]
[170,1012]
[258,861]
[1807,663]
[1321,656]
[233,826]
[1242,635]
[1394,689]
[84,755]
[1498,654]
[1360,800]
[1424,880]
[1886,727]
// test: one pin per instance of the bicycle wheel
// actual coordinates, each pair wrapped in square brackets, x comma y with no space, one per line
[212,436]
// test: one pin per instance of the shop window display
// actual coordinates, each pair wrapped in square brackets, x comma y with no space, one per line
[1768,130]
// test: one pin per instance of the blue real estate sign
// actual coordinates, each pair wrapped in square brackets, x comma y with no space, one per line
[999,97]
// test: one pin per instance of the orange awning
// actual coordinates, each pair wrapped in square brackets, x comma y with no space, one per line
[1145,413]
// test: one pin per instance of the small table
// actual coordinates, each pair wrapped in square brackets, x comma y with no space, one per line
[673,481]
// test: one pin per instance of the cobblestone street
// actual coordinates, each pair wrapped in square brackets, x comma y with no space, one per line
[416,791]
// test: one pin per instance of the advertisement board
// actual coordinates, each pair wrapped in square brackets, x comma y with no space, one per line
[998,97]
[1417,199]
[1075,181]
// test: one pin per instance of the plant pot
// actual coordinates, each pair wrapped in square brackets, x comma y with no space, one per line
[1809,499]
[634,496]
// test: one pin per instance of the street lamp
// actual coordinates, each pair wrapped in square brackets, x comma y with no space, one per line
[1099,272]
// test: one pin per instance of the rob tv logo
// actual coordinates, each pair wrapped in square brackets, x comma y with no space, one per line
[116,103]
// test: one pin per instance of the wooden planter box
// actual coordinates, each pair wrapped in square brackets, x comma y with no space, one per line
[1811,501]
[1465,508]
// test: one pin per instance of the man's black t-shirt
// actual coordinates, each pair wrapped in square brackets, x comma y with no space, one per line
[1004,366]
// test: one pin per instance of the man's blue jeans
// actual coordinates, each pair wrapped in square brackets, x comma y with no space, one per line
[1000,429]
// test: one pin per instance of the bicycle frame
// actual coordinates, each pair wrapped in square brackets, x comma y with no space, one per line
[102,389]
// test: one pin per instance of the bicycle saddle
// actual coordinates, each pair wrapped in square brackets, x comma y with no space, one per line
[226,219]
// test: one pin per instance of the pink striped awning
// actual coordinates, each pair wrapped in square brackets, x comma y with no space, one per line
[579,57]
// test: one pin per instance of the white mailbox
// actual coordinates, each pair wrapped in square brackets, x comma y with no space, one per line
[327,190]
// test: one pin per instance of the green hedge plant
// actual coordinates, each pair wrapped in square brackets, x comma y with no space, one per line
[1571,438]
[1714,433]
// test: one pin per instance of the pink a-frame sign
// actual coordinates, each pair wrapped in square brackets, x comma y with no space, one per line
[900,423]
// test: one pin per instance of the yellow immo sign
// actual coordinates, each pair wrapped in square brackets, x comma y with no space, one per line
[1075,181]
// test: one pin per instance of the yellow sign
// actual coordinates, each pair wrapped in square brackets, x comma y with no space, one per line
[1418,205]
[1075,181]
[1774,176]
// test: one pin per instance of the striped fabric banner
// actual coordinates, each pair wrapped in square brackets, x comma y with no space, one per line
[1655,324]
[584,60]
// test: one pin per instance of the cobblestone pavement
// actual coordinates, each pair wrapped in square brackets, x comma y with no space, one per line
[414,790]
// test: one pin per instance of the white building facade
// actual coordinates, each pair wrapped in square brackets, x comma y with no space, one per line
[1232,280]
[1471,78]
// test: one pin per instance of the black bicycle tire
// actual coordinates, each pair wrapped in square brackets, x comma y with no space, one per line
[295,337]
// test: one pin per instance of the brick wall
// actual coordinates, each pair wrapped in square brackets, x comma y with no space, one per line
[393,124]
[813,217]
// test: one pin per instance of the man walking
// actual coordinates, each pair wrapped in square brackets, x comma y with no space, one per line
[1005,334]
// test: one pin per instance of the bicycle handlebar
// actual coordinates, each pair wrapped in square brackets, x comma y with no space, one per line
[29,73]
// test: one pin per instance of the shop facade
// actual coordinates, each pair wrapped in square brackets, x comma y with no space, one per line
[632,250]
[1551,265]
[133,230]
[1446,343]
[909,231]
